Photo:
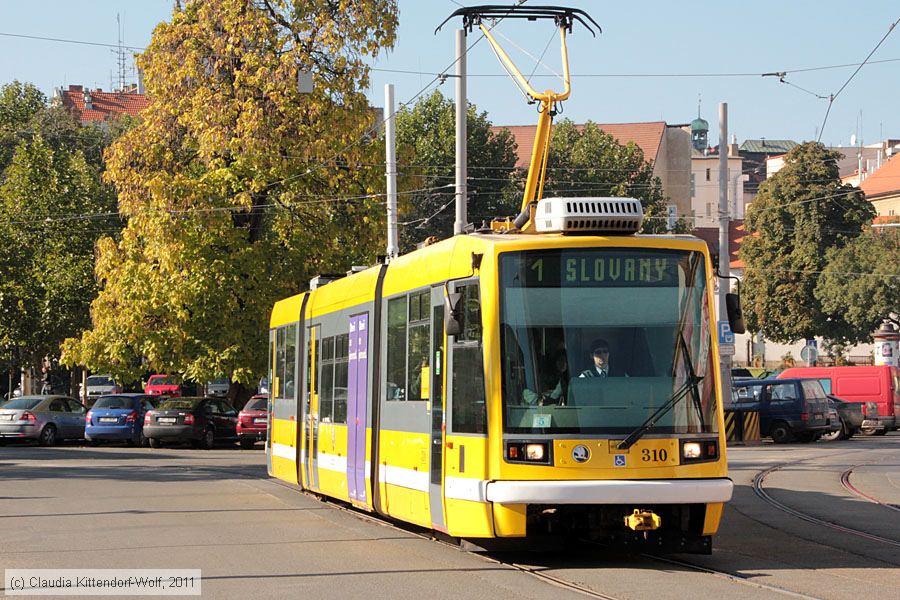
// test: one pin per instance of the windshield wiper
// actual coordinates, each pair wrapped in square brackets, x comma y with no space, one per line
[690,385]
[650,423]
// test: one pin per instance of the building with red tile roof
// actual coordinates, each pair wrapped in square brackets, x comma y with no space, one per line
[736,233]
[668,147]
[97,106]
[882,188]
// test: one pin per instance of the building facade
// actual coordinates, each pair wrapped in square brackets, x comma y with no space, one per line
[667,147]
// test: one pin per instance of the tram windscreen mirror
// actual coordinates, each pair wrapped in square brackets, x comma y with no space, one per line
[453,314]
[735,314]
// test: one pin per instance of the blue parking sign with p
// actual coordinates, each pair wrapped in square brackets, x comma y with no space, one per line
[725,334]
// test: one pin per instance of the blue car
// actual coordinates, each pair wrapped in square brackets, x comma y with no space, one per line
[119,417]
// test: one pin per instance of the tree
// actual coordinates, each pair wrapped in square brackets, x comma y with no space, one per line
[861,283]
[586,161]
[52,210]
[237,186]
[19,103]
[426,145]
[800,213]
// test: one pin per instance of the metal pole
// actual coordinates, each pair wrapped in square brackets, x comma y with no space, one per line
[459,226]
[390,145]
[724,253]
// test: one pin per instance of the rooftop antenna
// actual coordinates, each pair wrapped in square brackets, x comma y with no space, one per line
[121,59]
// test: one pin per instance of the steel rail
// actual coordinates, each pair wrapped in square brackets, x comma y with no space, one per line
[534,572]
[758,488]
[429,535]
[731,577]
[845,481]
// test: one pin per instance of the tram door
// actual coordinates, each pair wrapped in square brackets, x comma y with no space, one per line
[311,420]
[436,499]
[357,404]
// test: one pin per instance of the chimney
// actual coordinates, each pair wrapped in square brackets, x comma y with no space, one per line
[762,142]
[87,100]
[140,82]
[75,88]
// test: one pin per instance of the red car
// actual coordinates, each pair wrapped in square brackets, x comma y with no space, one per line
[162,385]
[253,421]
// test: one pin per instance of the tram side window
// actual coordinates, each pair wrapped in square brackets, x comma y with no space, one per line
[270,365]
[419,340]
[278,383]
[396,349]
[311,382]
[326,397]
[341,373]
[290,362]
[469,409]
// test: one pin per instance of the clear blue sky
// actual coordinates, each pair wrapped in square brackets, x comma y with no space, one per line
[656,37]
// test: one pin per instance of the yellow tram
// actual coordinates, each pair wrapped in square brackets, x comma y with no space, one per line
[374,404]
[556,375]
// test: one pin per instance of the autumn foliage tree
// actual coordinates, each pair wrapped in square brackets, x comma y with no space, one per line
[237,185]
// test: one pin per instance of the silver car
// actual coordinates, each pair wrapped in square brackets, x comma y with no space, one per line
[100,385]
[47,419]
[218,388]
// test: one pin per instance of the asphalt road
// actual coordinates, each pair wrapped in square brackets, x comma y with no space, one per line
[120,507]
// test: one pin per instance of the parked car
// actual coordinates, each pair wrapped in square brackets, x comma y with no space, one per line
[789,409]
[253,421]
[834,423]
[99,385]
[218,388]
[851,416]
[200,421]
[47,419]
[879,384]
[162,385]
[119,417]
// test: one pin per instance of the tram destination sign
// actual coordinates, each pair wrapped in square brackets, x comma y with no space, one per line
[567,268]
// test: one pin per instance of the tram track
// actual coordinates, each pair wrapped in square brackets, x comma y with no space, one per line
[760,491]
[731,577]
[848,485]
[539,572]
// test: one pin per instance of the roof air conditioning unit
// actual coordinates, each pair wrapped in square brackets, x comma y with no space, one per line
[589,215]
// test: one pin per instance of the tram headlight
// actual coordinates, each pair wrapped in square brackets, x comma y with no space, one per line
[535,452]
[694,451]
[528,452]
[691,450]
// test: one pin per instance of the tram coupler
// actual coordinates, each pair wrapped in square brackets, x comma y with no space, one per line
[643,520]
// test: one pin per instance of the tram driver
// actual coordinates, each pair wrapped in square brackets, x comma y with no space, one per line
[600,358]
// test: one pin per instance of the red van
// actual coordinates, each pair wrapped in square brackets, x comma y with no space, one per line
[879,384]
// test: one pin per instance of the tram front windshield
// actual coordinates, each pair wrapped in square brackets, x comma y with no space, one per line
[594,341]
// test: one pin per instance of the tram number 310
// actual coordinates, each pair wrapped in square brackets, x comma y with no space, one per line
[648,455]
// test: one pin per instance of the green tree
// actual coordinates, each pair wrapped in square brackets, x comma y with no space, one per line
[19,103]
[47,259]
[235,184]
[426,147]
[862,283]
[800,213]
[586,161]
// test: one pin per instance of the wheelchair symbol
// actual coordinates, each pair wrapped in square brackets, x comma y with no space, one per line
[619,460]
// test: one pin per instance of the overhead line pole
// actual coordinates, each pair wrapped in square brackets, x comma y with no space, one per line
[724,244]
[459,226]
[390,139]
